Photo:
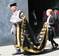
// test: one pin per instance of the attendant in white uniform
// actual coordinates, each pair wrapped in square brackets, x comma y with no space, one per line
[15,18]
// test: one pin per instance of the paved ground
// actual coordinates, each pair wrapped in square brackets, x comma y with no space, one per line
[10,49]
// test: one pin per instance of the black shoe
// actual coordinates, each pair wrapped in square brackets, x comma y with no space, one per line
[53,48]
[56,45]
[18,52]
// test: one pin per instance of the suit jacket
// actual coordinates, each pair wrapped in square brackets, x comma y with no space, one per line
[51,21]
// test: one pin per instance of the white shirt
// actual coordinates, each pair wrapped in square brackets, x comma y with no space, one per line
[15,17]
[48,20]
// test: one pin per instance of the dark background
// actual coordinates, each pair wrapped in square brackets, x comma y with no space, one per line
[39,6]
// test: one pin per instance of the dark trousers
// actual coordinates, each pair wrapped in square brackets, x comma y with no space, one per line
[51,35]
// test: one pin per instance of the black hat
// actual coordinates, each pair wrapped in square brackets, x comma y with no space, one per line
[13,4]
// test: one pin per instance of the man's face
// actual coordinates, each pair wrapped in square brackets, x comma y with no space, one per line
[49,12]
[13,8]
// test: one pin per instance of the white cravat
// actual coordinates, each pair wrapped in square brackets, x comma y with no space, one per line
[48,21]
[15,17]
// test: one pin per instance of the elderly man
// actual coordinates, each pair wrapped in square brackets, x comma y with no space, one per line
[16,20]
[50,22]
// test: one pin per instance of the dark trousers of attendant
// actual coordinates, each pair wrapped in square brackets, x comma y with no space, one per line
[51,36]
